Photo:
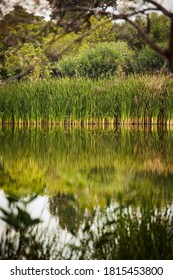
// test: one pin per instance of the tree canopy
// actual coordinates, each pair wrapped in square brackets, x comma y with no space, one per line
[121,10]
[139,23]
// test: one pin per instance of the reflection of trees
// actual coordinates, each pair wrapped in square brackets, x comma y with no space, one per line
[5,177]
[67,209]
[97,163]
[1,169]
[1,164]
[101,175]
[148,187]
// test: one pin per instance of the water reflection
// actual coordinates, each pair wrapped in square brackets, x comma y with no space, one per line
[81,176]
[87,168]
[116,232]
[66,208]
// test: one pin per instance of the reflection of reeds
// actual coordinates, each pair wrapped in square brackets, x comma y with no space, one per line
[123,232]
[141,100]
[98,163]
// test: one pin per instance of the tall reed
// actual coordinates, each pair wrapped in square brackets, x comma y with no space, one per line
[126,100]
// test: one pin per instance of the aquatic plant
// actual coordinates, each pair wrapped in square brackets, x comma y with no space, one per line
[80,101]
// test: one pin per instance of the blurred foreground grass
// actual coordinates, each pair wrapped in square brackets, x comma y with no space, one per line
[121,232]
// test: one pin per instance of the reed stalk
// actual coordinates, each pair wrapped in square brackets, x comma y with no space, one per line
[141,100]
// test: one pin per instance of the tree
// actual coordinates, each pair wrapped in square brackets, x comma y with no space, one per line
[21,31]
[148,61]
[124,10]
[27,58]
[160,27]
[75,15]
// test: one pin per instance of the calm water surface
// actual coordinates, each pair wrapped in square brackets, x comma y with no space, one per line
[74,172]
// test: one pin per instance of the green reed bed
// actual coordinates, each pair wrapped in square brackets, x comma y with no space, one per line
[126,100]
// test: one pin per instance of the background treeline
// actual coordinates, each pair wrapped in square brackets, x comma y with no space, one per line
[104,49]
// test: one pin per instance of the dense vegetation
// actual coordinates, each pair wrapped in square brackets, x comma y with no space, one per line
[82,77]
[124,100]
[83,72]
[104,48]
[75,77]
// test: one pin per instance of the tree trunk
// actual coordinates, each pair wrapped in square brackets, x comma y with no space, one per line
[170,50]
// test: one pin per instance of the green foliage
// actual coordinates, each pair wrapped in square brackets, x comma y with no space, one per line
[19,26]
[67,66]
[60,44]
[147,60]
[16,29]
[78,55]
[158,30]
[122,99]
[102,60]
[99,61]
[56,45]
[17,60]
[125,32]
[81,16]
[160,27]
[101,31]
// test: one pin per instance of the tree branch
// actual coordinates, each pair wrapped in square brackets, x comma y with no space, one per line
[148,40]
[160,8]
[78,39]
[20,75]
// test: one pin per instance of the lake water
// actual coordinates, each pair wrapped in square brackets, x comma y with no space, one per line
[76,171]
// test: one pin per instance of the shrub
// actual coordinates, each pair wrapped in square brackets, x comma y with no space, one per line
[148,61]
[102,60]
[67,66]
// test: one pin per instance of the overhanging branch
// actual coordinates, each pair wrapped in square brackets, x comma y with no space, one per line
[160,8]
[148,40]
